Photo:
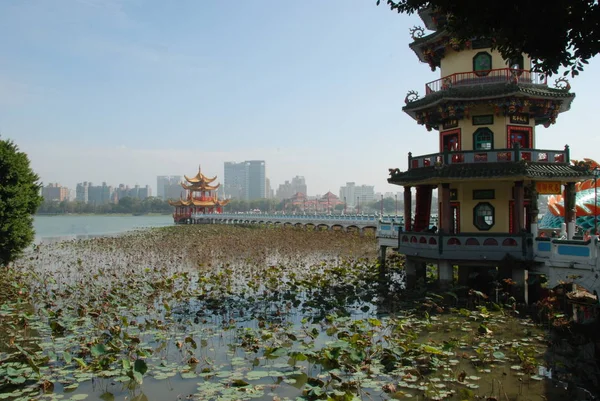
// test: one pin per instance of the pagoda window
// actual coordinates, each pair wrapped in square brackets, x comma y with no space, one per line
[482,64]
[483,139]
[483,216]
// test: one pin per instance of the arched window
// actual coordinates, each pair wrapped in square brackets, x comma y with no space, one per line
[483,216]
[483,139]
[482,64]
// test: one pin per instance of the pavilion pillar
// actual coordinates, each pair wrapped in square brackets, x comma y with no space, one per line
[520,291]
[570,209]
[407,209]
[518,215]
[445,210]
[415,273]
[534,211]
[423,207]
[445,274]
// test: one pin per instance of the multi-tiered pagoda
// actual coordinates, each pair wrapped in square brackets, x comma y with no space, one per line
[488,169]
[200,199]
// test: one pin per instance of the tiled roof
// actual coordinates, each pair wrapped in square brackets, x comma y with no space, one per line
[526,170]
[489,91]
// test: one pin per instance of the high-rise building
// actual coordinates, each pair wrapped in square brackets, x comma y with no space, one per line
[100,194]
[81,193]
[234,180]
[246,180]
[289,189]
[256,186]
[354,195]
[164,184]
[55,192]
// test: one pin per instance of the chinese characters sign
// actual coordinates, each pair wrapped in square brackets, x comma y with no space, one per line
[548,187]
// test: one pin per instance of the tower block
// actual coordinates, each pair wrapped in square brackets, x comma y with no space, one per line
[488,169]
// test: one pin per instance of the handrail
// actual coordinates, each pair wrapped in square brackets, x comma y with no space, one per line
[485,77]
[504,155]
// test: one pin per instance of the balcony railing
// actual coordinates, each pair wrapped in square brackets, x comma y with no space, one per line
[489,156]
[485,77]
[468,246]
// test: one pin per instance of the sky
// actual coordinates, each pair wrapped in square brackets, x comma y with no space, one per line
[122,91]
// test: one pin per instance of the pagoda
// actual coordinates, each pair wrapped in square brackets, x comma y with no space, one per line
[200,199]
[487,170]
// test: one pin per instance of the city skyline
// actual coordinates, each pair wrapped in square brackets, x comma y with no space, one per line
[120,93]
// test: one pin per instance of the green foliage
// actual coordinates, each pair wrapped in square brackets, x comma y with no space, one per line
[555,34]
[19,200]
[125,205]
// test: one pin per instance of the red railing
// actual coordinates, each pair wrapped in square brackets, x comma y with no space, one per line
[485,77]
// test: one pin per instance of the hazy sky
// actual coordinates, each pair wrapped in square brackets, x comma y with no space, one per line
[124,90]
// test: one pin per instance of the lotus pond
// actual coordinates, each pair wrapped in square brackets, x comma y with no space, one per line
[241,313]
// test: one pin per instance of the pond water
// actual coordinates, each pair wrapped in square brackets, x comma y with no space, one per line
[233,313]
[66,227]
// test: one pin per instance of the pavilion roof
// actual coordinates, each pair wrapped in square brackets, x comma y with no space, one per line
[539,171]
[199,177]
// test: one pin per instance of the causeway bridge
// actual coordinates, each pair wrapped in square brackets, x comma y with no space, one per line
[344,222]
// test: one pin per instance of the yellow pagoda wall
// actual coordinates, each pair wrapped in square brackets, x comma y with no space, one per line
[503,195]
[499,128]
[462,61]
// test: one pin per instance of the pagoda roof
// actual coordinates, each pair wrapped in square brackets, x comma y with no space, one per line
[329,195]
[200,186]
[198,202]
[431,18]
[200,178]
[539,171]
[501,95]
[491,91]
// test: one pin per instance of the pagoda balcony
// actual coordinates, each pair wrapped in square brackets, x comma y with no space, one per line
[508,75]
[489,156]
[467,246]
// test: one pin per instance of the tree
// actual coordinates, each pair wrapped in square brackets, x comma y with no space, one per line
[19,199]
[555,34]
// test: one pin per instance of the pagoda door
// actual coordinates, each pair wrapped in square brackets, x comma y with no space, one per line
[520,135]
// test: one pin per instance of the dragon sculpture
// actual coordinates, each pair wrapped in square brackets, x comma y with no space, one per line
[585,203]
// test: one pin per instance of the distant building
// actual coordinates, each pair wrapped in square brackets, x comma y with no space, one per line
[81,192]
[354,195]
[269,191]
[246,180]
[288,189]
[55,193]
[100,194]
[234,180]
[137,192]
[164,184]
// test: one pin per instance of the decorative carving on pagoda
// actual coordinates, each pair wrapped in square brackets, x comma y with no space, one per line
[417,32]
[562,83]
[411,96]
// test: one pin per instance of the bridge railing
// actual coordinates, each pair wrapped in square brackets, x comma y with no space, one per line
[566,251]
[298,217]
[466,246]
